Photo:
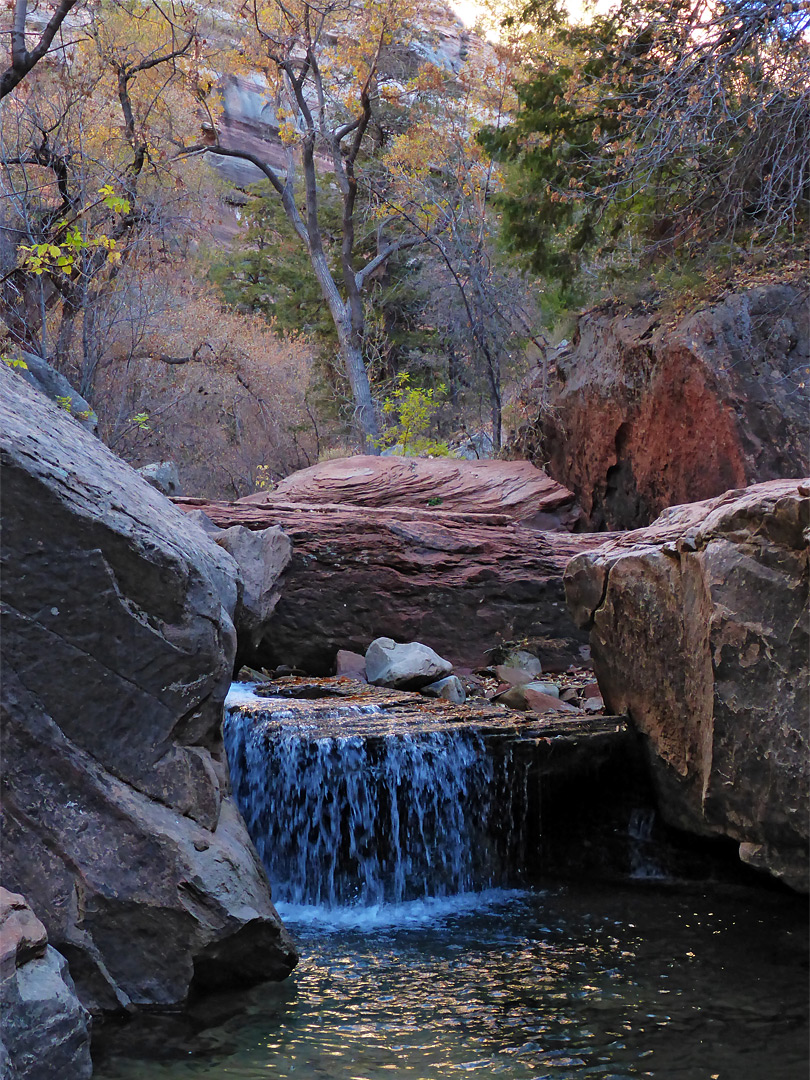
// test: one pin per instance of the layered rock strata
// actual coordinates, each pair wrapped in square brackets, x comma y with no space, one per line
[513,490]
[460,583]
[118,648]
[643,411]
[699,631]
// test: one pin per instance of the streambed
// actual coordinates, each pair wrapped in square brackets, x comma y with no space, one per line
[565,984]
[394,859]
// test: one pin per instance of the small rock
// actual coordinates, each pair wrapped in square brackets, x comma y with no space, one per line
[570,695]
[201,845]
[403,667]
[526,661]
[350,665]
[251,675]
[539,702]
[513,698]
[538,687]
[593,704]
[473,684]
[512,676]
[449,688]
[591,690]
[22,935]
[164,476]
[199,517]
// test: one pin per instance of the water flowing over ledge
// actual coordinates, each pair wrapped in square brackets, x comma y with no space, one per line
[384,805]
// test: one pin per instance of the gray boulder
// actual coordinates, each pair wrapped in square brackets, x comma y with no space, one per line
[261,557]
[39,374]
[44,1029]
[404,667]
[164,476]
[450,688]
[118,650]
[539,686]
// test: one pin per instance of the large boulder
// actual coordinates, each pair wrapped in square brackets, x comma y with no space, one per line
[699,630]
[646,410]
[461,582]
[44,1029]
[514,490]
[118,648]
[409,665]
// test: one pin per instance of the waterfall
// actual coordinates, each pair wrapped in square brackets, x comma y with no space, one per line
[642,850]
[369,819]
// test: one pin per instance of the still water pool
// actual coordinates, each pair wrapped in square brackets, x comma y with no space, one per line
[567,983]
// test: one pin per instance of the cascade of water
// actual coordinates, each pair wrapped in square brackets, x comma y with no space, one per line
[341,820]
[643,862]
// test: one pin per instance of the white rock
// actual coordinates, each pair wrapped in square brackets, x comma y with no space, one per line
[407,666]
[549,688]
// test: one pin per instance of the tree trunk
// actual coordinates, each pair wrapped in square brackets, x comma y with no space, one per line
[351,352]
[365,412]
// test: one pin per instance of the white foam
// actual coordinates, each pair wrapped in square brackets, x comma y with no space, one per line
[430,911]
[242,693]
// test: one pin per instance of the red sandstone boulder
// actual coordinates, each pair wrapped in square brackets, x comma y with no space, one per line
[455,582]
[699,631]
[649,411]
[514,490]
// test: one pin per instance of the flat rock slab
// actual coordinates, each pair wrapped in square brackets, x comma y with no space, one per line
[348,709]
[515,489]
[457,585]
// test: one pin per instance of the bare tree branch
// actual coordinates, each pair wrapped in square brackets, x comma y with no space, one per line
[22,61]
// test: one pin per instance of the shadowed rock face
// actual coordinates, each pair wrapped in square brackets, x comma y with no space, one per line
[118,648]
[44,1031]
[459,583]
[648,413]
[699,630]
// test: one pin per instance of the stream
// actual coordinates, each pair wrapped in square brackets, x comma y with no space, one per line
[423,957]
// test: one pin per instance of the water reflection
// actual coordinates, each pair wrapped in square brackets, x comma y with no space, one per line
[565,984]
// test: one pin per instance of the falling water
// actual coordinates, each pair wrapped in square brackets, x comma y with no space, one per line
[643,862]
[368,820]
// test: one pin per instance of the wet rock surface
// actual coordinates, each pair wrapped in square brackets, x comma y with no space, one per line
[649,411]
[699,631]
[459,583]
[118,648]
[44,1030]
[345,707]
